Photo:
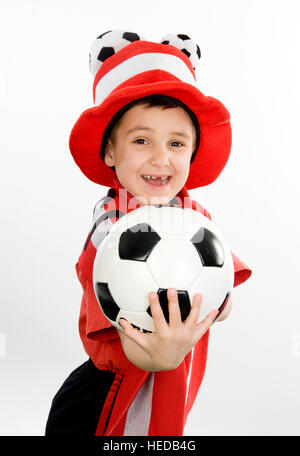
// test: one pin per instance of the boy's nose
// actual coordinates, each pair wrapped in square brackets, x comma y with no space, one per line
[160,157]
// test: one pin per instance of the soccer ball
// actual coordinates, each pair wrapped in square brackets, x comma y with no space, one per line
[154,248]
[107,44]
[185,44]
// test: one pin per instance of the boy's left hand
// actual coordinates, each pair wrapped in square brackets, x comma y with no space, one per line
[166,347]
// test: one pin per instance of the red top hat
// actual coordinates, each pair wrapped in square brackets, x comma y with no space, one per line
[127,68]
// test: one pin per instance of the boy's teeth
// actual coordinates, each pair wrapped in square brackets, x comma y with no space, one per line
[163,179]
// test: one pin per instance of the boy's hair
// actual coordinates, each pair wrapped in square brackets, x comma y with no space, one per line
[163,101]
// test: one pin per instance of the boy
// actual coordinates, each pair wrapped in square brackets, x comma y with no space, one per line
[151,135]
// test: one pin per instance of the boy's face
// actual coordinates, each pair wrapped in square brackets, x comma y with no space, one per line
[152,142]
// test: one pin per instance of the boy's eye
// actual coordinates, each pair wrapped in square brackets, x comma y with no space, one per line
[140,141]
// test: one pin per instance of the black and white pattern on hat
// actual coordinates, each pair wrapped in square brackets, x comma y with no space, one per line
[185,44]
[107,44]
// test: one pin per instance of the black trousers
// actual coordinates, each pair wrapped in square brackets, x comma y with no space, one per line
[76,407]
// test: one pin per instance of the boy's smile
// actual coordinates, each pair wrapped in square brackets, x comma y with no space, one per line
[151,150]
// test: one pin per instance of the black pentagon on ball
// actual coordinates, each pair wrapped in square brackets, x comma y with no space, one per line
[105,53]
[109,306]
[131,36]
[137,242]
[100,36]
[208,247]
[183,37]
[186,52]
[198,51]
[165,42]
[183,299]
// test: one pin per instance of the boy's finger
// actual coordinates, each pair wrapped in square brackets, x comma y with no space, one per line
[193,316]
[207,322]
[159,320]
[174,309]
[133,333]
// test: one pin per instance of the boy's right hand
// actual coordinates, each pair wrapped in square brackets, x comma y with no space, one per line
[171,342]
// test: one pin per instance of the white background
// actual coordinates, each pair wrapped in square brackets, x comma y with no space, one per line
[250,61]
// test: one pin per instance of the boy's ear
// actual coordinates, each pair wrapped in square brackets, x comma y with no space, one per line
[109,154]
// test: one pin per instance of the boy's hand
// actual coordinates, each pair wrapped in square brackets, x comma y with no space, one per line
[171,342]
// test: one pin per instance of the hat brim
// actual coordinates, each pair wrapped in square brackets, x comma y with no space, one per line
[213,118]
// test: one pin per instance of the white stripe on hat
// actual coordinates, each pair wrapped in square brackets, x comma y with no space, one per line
[138,64]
